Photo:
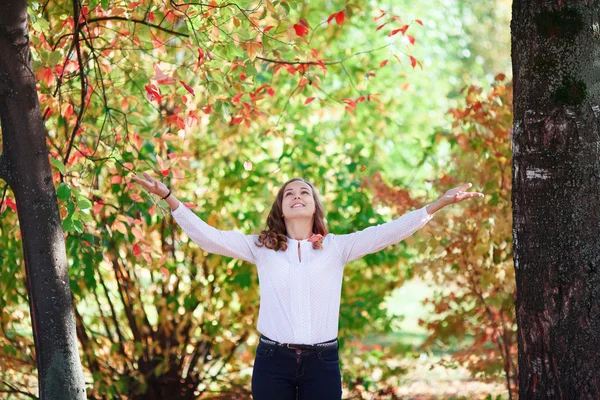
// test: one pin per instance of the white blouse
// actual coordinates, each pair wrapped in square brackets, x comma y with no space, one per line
[300,289]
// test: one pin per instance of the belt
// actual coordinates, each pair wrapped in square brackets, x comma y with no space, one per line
[300,346]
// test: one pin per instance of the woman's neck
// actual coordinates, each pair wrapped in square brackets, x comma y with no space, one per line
[299,230]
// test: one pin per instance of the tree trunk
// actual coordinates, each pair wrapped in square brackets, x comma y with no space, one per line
[556,197]
[24,166]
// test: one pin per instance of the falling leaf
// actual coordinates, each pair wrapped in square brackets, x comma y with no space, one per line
[309,100]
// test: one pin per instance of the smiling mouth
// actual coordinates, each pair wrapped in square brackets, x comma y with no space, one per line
[298,206]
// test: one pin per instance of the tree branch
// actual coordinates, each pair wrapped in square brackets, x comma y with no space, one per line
[137,21]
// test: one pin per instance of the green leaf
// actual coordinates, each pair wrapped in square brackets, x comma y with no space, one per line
[78,226]
[104,5]
[84,204]
[63,192]
[67,224]
[58,164]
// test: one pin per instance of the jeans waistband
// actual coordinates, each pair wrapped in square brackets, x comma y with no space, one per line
[322,345]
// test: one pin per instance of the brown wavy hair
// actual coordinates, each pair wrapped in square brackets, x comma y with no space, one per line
[274,235]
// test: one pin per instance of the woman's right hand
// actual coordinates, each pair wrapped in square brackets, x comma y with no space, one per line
[152,185]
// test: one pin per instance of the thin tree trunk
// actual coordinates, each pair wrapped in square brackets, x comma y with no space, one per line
[556,197]
[24,166]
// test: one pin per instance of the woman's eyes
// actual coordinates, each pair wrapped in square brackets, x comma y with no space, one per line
[303,192]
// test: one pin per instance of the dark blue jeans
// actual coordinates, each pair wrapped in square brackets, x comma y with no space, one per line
[289,374]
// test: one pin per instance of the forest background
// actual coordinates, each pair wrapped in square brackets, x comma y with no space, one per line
[382,105]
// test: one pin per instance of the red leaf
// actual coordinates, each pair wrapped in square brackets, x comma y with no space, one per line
[242,77]
[418,21]
[45,74]
[270,92]
[392,33]
[165,172]
[309,100]
[236,99]
[153,93]
[332,16]
[413,61]
[200,54]
[403,30]
[160,77]
[207,109]
[383,63]
[301,30]
[189,89]
[268,28]
[137,249]
[381,16]
[411,39]
[339,17]
[236,121]
[380,26]
[10,203]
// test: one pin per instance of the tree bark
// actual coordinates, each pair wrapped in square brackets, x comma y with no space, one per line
[24,166]
[556,197]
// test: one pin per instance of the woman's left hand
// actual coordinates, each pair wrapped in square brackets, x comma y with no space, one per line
[458,194]
[452,196]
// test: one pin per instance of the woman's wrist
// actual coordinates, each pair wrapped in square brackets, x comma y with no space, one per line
[166,196]
[436,206]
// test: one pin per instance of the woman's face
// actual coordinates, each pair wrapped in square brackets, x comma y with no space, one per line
[297,201]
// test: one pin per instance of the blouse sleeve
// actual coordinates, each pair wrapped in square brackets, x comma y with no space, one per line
[227,243]
[374,238]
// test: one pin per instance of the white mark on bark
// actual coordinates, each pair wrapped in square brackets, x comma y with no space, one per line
[537,173]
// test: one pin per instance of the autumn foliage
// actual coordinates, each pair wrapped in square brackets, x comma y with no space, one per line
[472,260]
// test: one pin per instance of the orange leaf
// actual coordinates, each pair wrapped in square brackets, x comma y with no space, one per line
[418,21]
[383,63]
[381,16]
[309,100]
[413,61]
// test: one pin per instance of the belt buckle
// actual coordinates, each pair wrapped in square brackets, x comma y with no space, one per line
[293,348]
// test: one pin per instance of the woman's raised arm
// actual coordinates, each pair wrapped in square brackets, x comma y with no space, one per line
[374,238]
[228,243]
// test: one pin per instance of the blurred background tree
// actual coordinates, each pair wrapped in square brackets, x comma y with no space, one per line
[226,102]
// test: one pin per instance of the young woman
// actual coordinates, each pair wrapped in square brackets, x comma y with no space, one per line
[300,267]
